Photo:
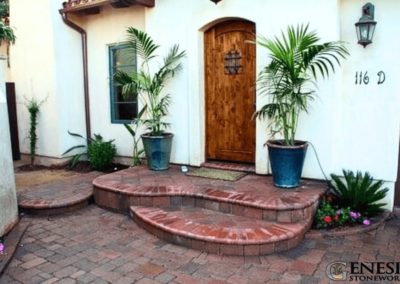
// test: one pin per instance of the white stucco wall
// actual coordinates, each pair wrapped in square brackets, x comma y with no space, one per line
[8,195]
[33,71]
[367,129]
[46,64]
[68,75]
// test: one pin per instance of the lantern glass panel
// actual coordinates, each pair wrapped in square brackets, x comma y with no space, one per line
[364,32]
[358,33]
[371,31]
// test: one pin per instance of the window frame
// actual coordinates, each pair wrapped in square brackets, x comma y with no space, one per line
[111,53]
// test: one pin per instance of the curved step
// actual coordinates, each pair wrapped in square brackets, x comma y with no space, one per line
[217,232]
[57,197]
[253,196]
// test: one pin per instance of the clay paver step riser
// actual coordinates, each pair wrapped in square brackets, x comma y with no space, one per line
[119,202]
[226,248]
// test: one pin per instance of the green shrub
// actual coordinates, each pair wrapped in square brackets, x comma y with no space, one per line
[360,193]
[101,153]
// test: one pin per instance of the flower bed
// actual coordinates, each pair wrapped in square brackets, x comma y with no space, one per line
[352,205]
[346,229]
[330,216]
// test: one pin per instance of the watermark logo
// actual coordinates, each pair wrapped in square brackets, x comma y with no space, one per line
[364,271]
[334,271]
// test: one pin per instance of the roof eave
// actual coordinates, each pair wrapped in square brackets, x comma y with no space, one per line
[95,4]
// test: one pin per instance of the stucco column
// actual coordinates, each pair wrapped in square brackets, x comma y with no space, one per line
[8,194]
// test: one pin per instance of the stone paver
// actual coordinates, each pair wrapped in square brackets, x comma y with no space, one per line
[110,248]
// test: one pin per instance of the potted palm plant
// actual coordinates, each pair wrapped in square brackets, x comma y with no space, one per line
[147,87]
[290,82]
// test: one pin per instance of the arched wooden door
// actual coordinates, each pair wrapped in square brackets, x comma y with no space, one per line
[230,98]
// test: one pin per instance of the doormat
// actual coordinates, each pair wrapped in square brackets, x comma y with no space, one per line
[217,174]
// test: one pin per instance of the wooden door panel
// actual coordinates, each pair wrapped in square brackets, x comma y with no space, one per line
[230,132]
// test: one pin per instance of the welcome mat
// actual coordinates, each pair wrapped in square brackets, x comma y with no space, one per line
[217,174]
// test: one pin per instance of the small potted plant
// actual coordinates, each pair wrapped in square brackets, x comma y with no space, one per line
[148,87]
[290,82]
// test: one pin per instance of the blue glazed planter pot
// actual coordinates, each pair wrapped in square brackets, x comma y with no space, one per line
[287,162]
[158,150]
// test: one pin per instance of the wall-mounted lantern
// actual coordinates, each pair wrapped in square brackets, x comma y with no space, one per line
[216,1]
[365,27]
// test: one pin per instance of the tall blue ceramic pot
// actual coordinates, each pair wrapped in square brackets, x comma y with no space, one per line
[158,150]
[287,162]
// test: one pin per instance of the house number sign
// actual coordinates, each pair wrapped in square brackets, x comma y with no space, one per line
[364,78]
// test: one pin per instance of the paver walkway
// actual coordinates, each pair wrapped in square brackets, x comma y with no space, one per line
[93,245]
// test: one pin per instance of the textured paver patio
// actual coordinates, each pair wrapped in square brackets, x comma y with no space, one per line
[93,245]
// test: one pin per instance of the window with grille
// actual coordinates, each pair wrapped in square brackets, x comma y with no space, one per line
[122,110]
[233,62]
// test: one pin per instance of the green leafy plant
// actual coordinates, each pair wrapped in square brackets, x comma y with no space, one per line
[324,210]
[328,215]
[100,153]
[6,33]
[136,151]
[33,107]
[133,131]
[146,85]
[290,78]
[359,192]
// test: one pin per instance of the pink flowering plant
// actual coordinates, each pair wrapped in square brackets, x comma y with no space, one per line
[329,215]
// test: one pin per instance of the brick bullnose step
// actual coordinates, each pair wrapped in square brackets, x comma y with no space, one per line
[252,196]
[246,217]
[57,197]
[216,232]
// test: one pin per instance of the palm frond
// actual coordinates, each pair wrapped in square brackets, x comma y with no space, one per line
[294,56]
[130,129]
[148,86]
[73,148]
[140,43]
